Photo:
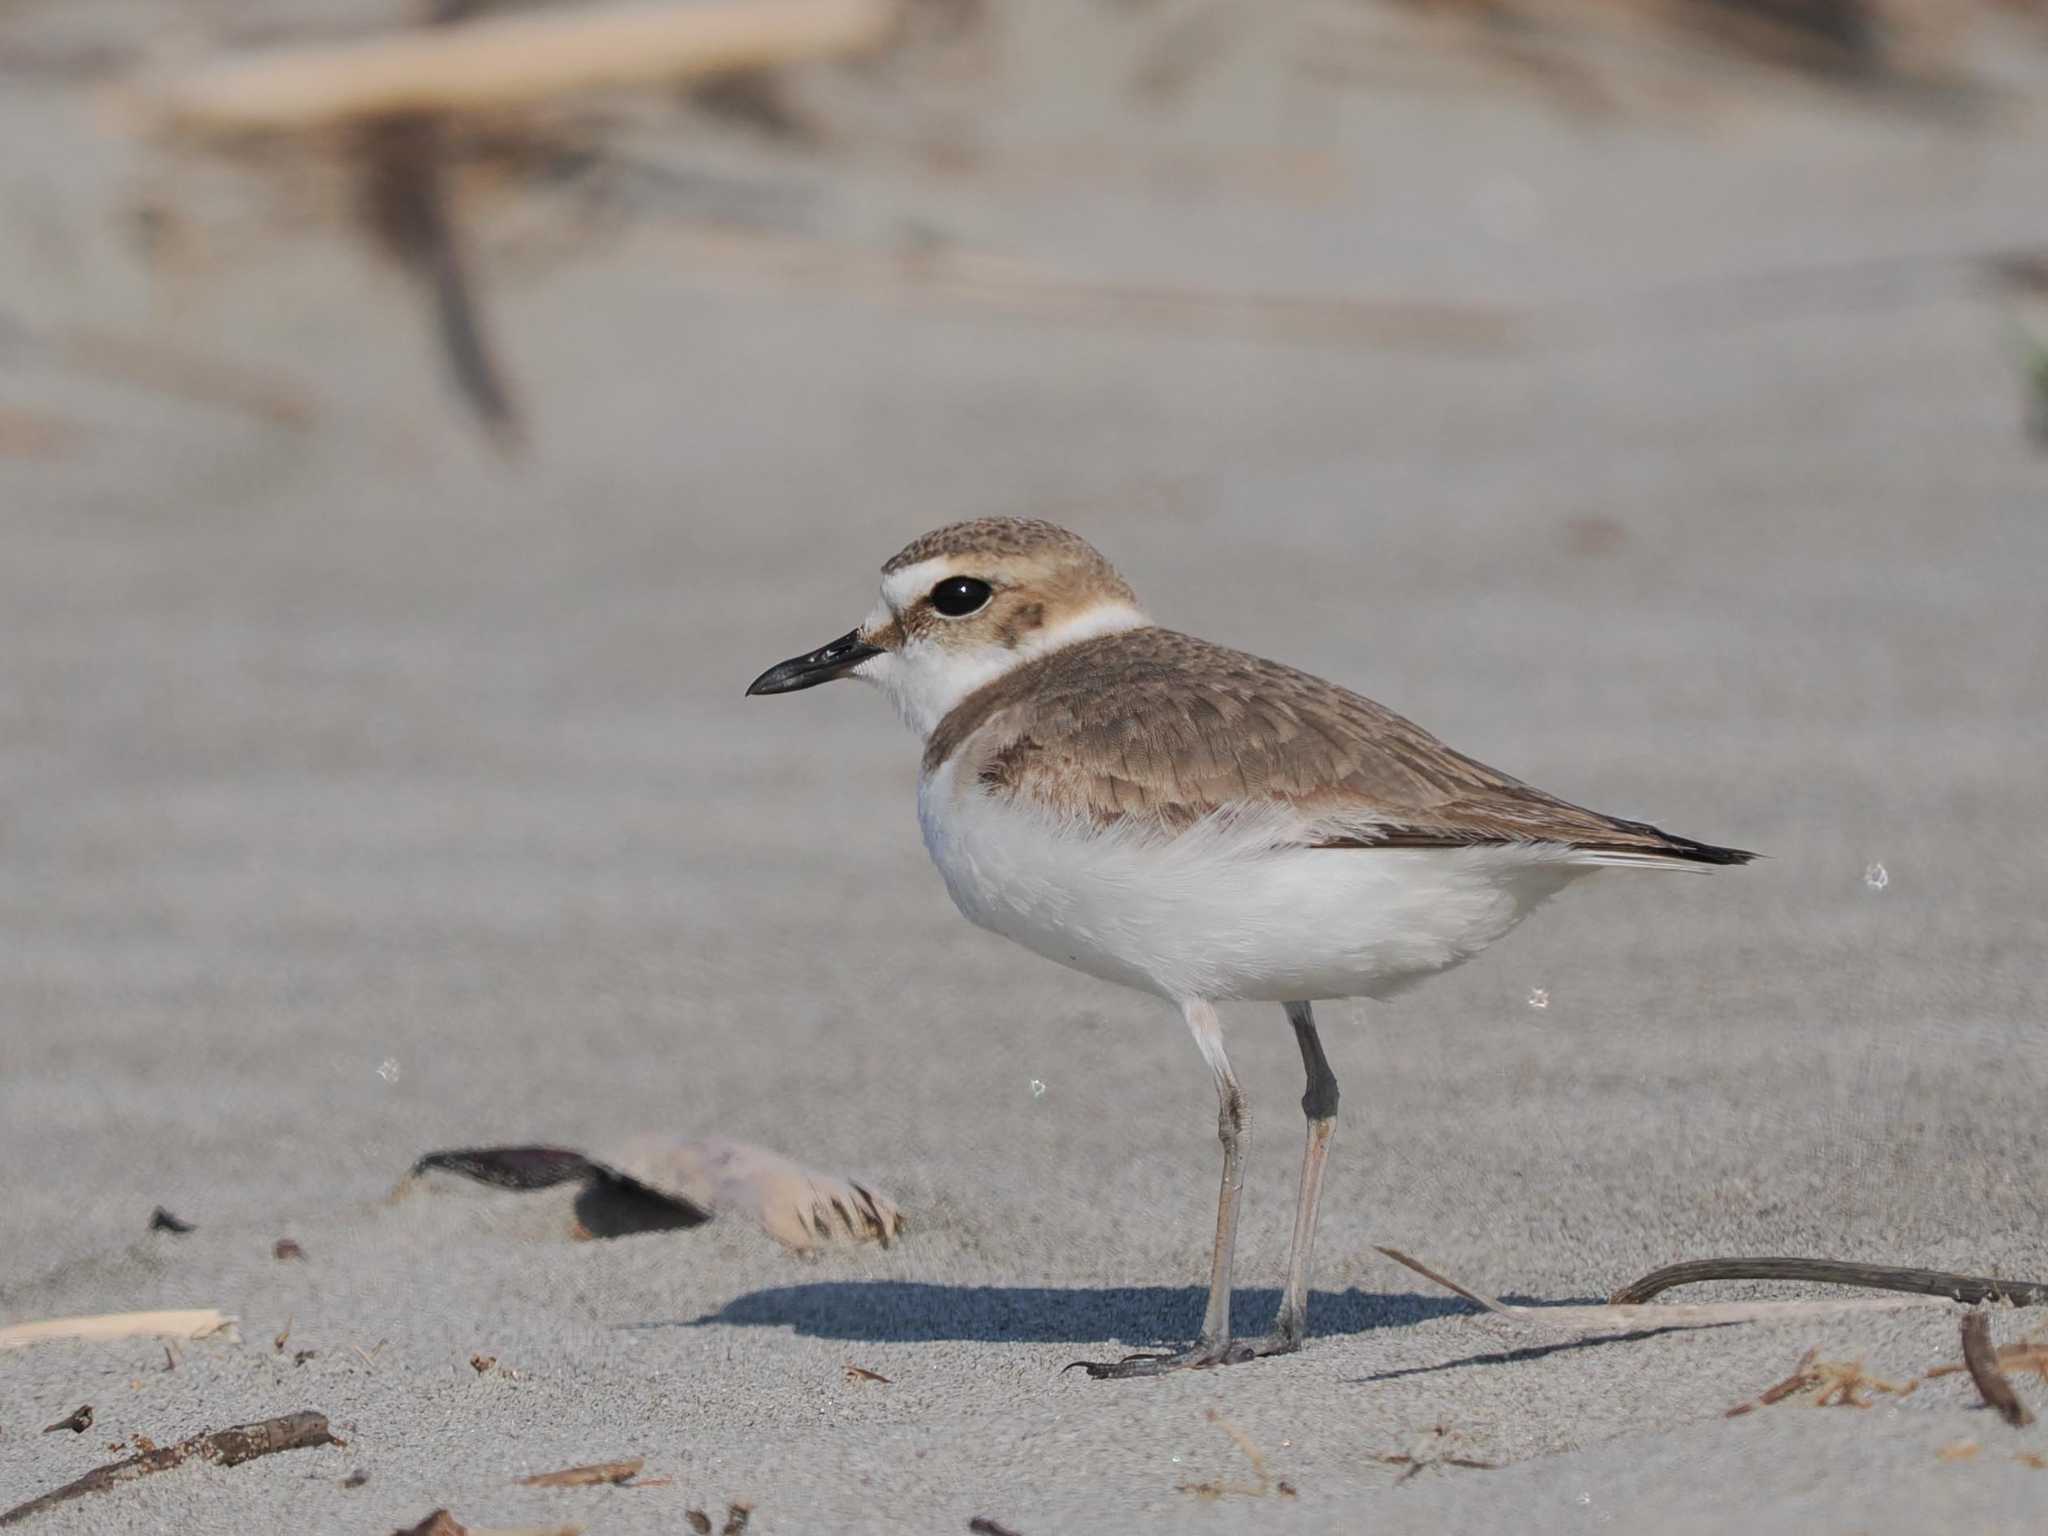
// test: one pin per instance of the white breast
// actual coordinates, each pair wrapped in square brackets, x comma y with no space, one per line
[1221,911]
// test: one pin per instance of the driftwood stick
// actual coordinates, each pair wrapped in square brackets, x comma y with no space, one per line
[117,1325]
[1992,1384]
[498,62]
[1971,1290]
[223,1447]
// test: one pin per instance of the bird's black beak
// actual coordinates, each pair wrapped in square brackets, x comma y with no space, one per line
[819,666]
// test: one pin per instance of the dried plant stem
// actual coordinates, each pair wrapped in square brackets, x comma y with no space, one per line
[1972,1290]
[1629,1318]
[222,1447]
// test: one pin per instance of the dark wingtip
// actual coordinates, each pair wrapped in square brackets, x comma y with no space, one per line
[1706,853]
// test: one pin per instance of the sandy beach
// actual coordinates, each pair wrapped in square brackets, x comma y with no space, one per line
[363,792]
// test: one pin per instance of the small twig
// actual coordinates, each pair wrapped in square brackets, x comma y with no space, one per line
[1992,1384]
[78,1421]
[222,1447]
[1430,1451]
[1216,1488]
[591,1476]
[1971,1290]
[862,1373]
[1477,1298]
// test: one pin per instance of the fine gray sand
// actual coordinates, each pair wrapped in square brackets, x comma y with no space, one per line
[362,794]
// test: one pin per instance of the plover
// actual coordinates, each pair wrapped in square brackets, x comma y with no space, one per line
[1197,823]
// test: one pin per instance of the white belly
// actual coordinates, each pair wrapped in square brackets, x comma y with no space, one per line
[1220,912]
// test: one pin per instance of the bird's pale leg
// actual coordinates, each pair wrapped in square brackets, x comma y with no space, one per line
[1233,1129]
[1319,1104]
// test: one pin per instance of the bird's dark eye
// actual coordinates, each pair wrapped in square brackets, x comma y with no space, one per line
[958,596]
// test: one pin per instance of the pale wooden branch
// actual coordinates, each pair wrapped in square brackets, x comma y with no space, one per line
[495,63]
[196,1324]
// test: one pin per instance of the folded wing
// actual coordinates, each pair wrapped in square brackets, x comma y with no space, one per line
[1156,731]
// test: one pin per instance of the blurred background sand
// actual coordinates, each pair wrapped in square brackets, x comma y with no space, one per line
[1641,411]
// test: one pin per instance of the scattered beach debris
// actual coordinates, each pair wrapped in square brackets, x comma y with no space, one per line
[78,1421]
[441,1523]
[661,1183]
[1434,1447]
[1958,1450]
[1216,1488]
[736,1517]
[2027,1355]
[593,1475]
[197,1323]
[170,1359]
[403,105]
[33,434]
[161,1220]
[201,378]
[2020,279]
[287,1248]
[981,1525]
[480,1362]
[862,1373]
[1991,1381]
[277,1344]
[223,1447]
[1827,1384]
[355,1479]
[301,1356]
[1971,1290]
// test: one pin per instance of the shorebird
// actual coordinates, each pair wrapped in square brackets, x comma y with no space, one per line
[1197,823]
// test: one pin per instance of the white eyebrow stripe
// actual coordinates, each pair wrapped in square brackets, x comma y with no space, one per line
[899,588]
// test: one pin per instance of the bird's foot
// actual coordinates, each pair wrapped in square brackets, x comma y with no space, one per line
[1198,1356]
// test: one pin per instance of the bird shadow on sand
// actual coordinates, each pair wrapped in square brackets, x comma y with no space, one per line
[903,1311]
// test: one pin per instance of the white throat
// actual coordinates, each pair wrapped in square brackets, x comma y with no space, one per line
[925,680]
